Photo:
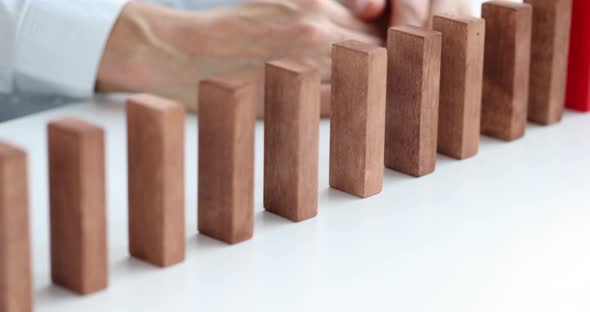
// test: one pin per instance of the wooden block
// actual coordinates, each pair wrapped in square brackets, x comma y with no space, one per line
[549,57]
[227,120]
[77,205]
[460,84]
[413,81]
[155,165]
[15,246]
[291,139]
[578,81]
[357,126]
[506,69]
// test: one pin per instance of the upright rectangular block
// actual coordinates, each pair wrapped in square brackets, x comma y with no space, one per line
[578,80]
[413,82]
[227,120]
[549,55]
[15,246]
[291,138]
[357,126]
[155,165]
[506,69]
[77,205]
[460,84]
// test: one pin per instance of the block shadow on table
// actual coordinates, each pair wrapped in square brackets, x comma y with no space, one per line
[52,293]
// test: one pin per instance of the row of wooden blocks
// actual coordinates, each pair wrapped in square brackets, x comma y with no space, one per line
[386,110]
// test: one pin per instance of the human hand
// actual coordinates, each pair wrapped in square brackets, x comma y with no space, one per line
[166,52]
[411,12]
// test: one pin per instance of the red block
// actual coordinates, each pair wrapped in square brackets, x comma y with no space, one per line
[578,84]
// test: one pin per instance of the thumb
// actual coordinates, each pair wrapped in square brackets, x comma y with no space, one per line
[367,10]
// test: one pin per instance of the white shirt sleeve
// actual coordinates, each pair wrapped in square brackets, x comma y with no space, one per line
[53,46]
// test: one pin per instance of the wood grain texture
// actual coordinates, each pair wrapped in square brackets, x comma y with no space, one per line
[413,82]
[549,57]
[506,69]
[578,81]
[227,120]
[155,171]
[357,126]
[291,139]
[461,82]
[15,244]
[77,205]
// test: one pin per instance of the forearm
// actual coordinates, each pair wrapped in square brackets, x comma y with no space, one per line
[142,49]
[166,52]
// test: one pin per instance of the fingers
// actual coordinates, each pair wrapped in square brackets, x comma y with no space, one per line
[338,14]
[410,12]
[367,10]
[461,7]
[347,34]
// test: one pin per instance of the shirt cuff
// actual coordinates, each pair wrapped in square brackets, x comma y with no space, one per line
[60,44]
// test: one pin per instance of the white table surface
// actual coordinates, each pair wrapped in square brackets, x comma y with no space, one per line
[508,230]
